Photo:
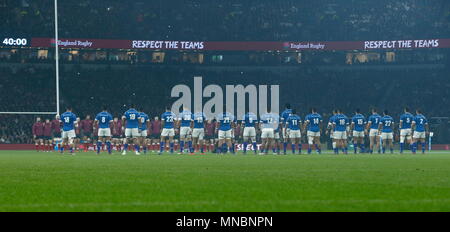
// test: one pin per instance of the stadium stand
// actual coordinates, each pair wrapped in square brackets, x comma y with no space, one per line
[216,20]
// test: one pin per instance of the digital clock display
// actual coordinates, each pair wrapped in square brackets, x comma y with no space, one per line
[15,42]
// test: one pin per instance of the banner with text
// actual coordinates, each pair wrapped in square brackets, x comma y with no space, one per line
[241,46]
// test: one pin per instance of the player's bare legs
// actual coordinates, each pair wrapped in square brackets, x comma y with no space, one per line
[373,143]
[48,144]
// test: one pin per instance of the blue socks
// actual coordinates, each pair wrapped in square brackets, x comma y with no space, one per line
[99,146]
[161,147]
[181,146]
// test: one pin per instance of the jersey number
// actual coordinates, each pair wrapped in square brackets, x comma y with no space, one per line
[103,119]
[387,123]
[316,121]
[67,119]
[360,121]
[342,122]
[132,116]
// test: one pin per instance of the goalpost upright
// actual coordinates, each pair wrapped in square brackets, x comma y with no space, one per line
[56,57]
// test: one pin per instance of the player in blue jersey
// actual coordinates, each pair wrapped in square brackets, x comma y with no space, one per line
[249,122]
[340,125]
[268,123]
[168,131]
[102,122]
[225,125]
[372,129]
[69,121]
[385,129]
[294,123]
[285,131]
[313,123]
[330,130]
[144,122]
[199,131]
[357,126]
[421,130]
[405,128]
[185,119]
[131,119]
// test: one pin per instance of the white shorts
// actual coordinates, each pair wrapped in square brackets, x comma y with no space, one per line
[340,135]
[198,133]
[185,131]
[295,134]
[405,132]
[143,133]
[373,132]
[225,134]
[131,132]
[168,132]
[249,132]
[104,132]
[358,134]
[387,135]
[313,134]
[267,133]
[419,135]
[70,134]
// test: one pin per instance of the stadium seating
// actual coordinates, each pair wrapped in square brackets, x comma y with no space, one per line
[253,20]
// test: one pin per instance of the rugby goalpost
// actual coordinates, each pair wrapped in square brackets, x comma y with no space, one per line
[56,72]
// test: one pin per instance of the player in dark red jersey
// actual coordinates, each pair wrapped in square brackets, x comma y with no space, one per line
[116,131]
[237,135]
[86,131]
[77,135]
[210,127]
[38,133]
[47,136]
[155,128]
[56,130]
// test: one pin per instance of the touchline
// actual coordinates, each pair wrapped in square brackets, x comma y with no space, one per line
[256,96]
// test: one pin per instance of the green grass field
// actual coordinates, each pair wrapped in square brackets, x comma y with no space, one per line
[31,181]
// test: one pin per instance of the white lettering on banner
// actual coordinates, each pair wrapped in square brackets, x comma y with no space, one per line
[386,44]
[76,43]
[154,44]
[307,46]
[379,44]
[432,43]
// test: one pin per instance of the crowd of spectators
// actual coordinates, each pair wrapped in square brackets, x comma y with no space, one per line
[232,20]
[87,90]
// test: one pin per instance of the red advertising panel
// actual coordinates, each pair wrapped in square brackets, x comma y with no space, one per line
[241,46]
